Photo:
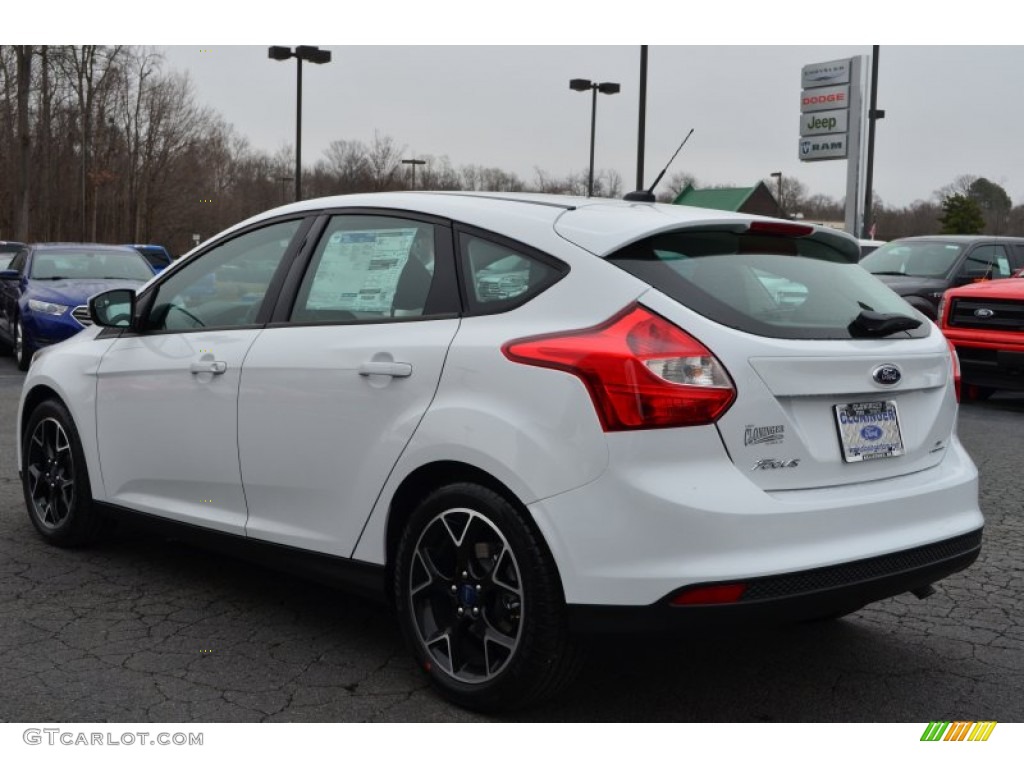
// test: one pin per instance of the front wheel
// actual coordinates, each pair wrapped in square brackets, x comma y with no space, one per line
[22,354]
[480,602]
[55,479]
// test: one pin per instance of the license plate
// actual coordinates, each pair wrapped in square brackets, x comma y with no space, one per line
[869,430]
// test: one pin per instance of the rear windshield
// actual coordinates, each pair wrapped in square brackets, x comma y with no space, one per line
[771,286]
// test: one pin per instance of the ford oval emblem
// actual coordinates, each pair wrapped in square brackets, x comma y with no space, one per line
[887,375]
[984,313]
[871,432]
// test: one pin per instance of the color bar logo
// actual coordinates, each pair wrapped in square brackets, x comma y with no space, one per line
[958,731]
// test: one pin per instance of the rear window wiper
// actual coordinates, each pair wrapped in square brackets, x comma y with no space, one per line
[888,273]
[869,324]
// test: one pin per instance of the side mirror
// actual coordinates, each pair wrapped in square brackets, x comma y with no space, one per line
[9,274]
[113,309]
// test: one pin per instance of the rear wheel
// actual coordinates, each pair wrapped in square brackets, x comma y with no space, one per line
[480,602]
[55,479]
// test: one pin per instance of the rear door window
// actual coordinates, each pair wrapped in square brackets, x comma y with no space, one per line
[499,276]
[778,287]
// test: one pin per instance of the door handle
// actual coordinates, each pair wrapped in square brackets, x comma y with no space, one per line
[375,368]
[216,367]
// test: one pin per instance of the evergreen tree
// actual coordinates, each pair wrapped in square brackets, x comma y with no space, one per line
[961,215]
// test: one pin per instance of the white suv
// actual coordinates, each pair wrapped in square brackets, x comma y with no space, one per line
[517,418]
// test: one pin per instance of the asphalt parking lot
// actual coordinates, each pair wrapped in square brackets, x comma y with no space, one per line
[140,629]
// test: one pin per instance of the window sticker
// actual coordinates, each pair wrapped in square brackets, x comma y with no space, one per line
[359,270]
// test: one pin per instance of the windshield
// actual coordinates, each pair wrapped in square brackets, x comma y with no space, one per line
[779,287]
[922,258]
[85,264]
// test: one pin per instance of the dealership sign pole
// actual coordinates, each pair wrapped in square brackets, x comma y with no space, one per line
[830,123]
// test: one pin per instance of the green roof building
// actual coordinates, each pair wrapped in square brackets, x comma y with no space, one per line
[756,200]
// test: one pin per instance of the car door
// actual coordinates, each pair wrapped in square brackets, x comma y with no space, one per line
[333,391]
[167,396]
[987,261]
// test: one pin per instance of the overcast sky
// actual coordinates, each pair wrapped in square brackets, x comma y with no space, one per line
[950,110]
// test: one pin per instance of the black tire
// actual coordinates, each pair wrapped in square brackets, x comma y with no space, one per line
[480,602]
[55,479]
[22,354]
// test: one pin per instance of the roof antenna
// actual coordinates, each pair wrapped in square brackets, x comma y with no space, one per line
[647,195]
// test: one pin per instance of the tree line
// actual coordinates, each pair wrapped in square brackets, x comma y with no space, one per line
[104,144]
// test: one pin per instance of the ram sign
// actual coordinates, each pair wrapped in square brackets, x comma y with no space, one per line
[830,147]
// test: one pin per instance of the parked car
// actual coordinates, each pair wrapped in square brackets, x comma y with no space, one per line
[553,415]
[985,321]
[8,249]
[45,288]
[868,246]
[158,256]
[921,269]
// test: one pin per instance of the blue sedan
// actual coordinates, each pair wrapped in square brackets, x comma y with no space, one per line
[44,292]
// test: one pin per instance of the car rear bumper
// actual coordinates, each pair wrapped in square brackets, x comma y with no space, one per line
[674,512]
[794,597]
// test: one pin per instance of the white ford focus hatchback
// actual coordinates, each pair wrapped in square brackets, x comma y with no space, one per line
[519,418]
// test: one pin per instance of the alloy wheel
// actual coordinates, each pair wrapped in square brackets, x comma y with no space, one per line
[466,596]
[51,473]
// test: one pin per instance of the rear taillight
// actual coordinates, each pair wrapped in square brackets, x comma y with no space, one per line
[955,363]
[642,371]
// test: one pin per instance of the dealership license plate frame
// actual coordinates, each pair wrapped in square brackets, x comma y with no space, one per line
[852,442]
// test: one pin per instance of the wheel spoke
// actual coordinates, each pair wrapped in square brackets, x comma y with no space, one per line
[444,659]
[505,565]
[506,646]
[434,579]
[34,475]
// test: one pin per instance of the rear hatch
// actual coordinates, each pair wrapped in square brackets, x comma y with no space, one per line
[837,379]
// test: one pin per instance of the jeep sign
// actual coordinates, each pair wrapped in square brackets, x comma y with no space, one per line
[817,123]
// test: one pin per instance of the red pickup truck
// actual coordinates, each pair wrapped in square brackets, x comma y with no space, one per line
[985,322]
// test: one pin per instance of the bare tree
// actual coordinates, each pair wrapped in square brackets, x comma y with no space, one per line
[383,158]
[347,163]
[677,182]
[23,56]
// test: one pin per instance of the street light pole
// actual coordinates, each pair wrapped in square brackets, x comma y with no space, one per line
[298,129]
[641,132]
[578,84]
[414,163]
[301,53]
